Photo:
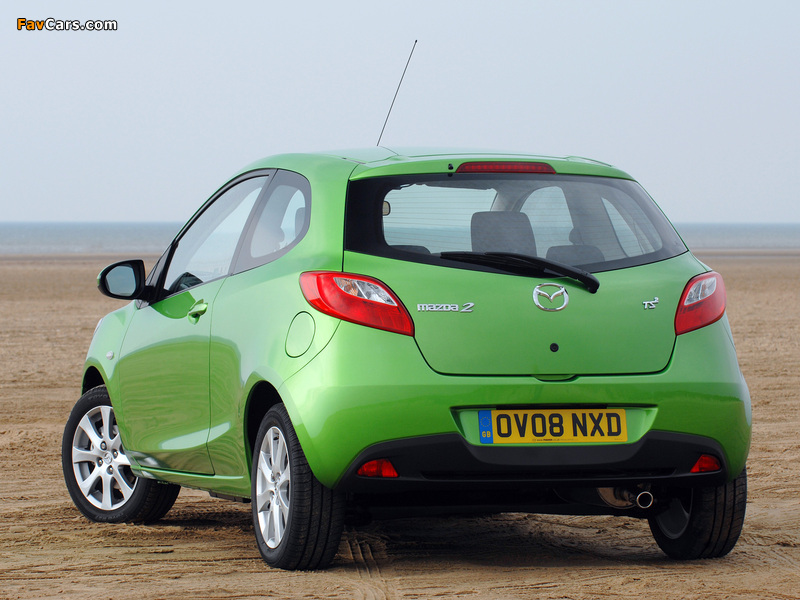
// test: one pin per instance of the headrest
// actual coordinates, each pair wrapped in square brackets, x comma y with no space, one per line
[502,231]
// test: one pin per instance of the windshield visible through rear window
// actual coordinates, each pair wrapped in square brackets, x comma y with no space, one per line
[593,223]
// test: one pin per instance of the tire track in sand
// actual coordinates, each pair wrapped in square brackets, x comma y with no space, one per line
[368,555]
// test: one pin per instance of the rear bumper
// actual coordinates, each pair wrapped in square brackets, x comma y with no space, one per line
[369,393]
[448,462]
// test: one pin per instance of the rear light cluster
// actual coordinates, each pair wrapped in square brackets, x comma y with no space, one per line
[505,167]
[702,303]
[358,299]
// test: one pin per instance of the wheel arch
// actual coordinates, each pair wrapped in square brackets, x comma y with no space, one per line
[261,398]
[91,379]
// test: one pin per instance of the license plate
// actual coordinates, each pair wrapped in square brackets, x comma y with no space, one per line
[548,426]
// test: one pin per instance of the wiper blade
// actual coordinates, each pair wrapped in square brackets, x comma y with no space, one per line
[503,260]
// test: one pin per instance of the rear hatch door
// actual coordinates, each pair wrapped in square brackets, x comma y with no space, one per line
[482,323]
[437,240]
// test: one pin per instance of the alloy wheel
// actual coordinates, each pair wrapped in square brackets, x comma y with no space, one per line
[272,487]
[102,470]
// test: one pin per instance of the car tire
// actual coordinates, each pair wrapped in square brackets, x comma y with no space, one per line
[98,473]
[702,522]
[297,520]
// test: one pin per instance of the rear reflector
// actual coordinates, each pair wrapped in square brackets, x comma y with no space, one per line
[356,298]
[702,303]
[505,167]
[706,464]
[378,468]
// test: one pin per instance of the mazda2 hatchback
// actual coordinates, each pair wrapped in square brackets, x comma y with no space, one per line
[376,332]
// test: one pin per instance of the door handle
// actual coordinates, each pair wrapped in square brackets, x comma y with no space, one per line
[198,310]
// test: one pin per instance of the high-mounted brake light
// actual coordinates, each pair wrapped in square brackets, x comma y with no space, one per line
[702,303]
[358,299]
[505,167]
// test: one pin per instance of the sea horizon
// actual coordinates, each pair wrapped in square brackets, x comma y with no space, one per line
[147,238]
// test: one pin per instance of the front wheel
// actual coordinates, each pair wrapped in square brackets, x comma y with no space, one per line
[702,522]
[297,520]
[98,472]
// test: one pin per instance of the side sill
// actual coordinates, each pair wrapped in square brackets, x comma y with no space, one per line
[222,487]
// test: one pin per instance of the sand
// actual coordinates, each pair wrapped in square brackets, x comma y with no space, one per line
[204,548]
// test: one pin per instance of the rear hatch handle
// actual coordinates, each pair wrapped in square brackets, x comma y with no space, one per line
[526,265]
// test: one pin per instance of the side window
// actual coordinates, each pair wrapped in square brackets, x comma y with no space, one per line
[206,249]
[550,218]
[280,222]
[635,233]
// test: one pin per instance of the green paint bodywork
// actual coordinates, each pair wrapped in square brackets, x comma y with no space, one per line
[181,389]
[515,340]
[385,390]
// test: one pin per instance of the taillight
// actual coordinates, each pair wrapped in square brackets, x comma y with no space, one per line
[358,299]
[498,166]
[702,303]
[706,464]
[378,468]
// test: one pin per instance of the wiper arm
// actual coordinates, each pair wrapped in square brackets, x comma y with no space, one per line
[512,259]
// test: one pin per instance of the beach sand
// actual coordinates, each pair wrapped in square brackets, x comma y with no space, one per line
[204,548]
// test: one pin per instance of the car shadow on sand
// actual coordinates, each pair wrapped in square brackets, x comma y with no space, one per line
[504,540]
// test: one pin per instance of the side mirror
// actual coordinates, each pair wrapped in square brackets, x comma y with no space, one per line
[123,280]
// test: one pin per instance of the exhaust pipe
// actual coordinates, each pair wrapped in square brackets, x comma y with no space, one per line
[616,497]
[644,499]
[625,498]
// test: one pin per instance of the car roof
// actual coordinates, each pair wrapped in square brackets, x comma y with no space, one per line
[380,160]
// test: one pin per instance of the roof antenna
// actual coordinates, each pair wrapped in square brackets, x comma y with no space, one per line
[396,92]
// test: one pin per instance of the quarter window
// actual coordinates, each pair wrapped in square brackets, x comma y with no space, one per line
[279,223]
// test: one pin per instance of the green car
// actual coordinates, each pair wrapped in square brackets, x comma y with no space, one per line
[342,335]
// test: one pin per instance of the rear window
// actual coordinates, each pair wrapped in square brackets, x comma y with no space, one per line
[594,223]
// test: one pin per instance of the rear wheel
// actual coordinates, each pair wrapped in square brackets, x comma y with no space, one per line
[297,520]
[98,472]
[702,522]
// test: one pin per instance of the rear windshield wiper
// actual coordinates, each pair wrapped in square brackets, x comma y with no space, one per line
[504,260]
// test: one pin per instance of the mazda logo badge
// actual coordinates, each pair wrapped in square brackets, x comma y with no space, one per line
[553,303]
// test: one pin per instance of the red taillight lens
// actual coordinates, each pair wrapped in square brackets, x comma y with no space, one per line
[505,167]
[356,298]
[706,464]
[702,303]
[378,468]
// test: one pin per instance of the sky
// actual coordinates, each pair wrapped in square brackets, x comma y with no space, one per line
[698,100]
